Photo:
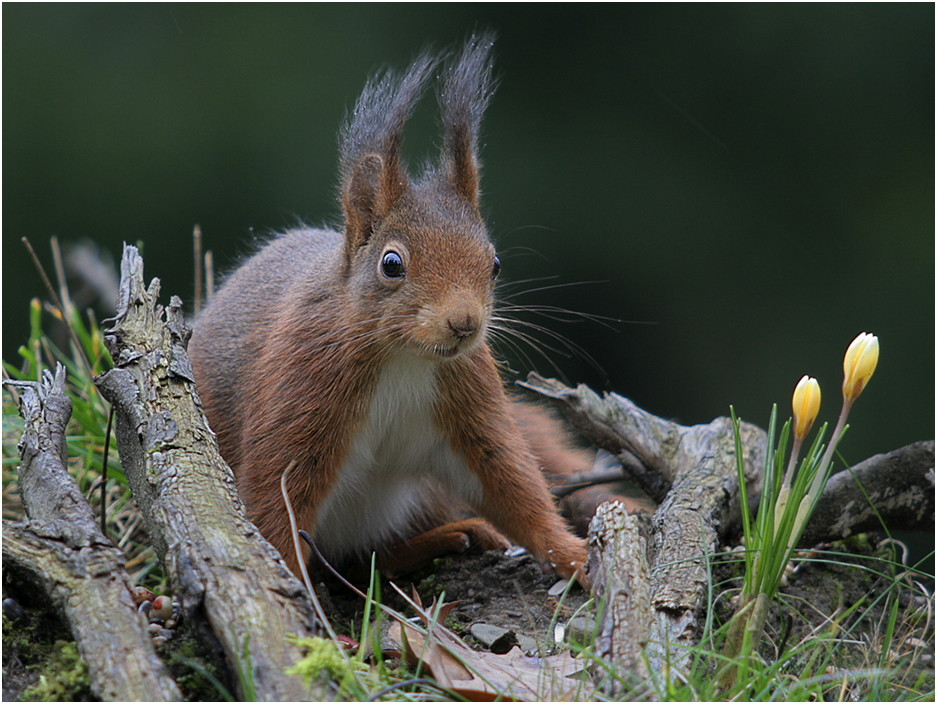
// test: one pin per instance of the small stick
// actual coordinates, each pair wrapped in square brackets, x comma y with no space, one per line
[107,451]
[197,251]
[58,302]
[209,276]
[320,612]
[581,481]
[60,275]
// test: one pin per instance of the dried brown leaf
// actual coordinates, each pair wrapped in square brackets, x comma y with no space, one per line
[484,676]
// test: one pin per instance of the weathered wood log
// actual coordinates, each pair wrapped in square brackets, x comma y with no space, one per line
[62,551]
[898,484]
[622,587]
[222,570]
[692,472]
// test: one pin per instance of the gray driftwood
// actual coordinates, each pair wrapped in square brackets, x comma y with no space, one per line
[62,551]
[899,484]
[222,570]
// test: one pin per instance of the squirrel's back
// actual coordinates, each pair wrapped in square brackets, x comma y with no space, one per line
[230,332]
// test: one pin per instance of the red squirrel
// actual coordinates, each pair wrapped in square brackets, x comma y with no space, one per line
[362,356]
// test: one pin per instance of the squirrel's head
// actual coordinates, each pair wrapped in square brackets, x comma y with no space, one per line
[417,253]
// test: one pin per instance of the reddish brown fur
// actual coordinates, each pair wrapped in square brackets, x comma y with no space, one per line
[292,351]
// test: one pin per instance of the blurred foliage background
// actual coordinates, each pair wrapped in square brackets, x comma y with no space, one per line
[749,186]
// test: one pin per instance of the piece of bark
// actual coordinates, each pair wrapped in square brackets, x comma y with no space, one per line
[899,484]
[622,587]
[61,551]
[222,570]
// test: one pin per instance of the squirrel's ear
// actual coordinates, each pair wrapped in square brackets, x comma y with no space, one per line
[373,177]
[370,190]
[463,99]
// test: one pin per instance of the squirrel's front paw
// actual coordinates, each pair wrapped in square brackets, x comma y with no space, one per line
[569,561]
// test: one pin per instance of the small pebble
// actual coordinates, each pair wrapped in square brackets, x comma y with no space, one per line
[580,629]
[171,624]
[162,607]
[558,588]
[159,641]
[559,633]
[154,628]
[165,633]
[141,594]
[497,639]
[13,610]
[486,633]
[528,645]
[157,621]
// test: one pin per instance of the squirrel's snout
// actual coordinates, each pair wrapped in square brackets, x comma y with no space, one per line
[464,326]
[450,328]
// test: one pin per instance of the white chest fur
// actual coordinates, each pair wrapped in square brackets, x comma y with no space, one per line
[396,456]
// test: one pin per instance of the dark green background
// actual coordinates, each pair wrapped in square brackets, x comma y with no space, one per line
[752,184]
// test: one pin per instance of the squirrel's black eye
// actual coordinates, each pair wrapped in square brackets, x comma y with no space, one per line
[392,265]
[496,268]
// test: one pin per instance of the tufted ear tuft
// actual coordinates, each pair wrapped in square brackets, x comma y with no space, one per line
[465,94]
[373,176]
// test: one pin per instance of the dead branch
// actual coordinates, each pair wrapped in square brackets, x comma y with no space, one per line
[223,571]
[897,487]
[62,551]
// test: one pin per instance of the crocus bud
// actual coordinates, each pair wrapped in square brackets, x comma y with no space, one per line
[859,364]
[806,405]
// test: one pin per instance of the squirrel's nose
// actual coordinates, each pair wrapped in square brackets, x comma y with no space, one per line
[464,326]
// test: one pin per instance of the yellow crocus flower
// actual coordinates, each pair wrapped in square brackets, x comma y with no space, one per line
[806,404]
[859,365]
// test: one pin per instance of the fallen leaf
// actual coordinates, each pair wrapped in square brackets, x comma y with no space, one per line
[484,676]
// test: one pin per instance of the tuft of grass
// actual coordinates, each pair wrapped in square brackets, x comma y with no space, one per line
[84,355]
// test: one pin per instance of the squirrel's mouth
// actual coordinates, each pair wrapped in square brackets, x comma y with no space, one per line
[446,339]
[446,352]
[442,351]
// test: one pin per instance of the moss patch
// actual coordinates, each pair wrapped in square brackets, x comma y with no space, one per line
[64,677]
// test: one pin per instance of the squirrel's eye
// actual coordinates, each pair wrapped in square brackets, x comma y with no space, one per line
[392,265]
[496,268]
